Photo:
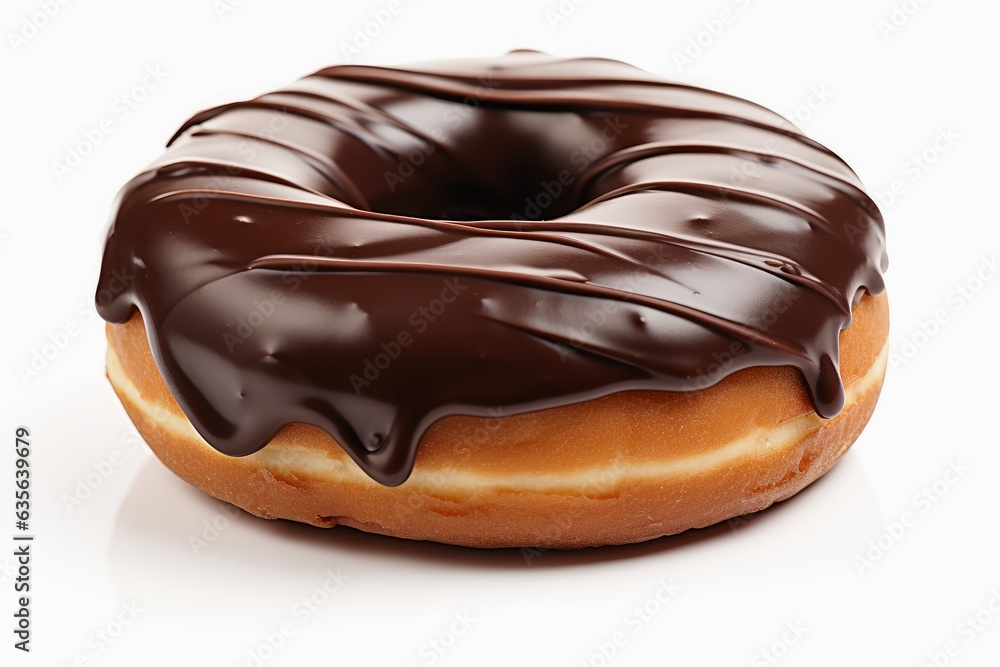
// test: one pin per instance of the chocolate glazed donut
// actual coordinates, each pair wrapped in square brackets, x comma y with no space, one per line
[372,250]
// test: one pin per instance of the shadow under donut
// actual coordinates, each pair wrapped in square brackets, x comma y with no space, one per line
[172,543]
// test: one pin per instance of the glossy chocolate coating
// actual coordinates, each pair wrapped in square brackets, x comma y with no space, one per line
[370,249]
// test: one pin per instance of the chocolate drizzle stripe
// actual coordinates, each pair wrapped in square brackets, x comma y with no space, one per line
[657,149]
[210,166]
[325,167]
[705,189]
[798,274]
[373,114]
[389,76]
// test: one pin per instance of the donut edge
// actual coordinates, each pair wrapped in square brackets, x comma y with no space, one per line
[304,475]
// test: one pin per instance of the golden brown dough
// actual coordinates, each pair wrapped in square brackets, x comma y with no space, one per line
[624,468]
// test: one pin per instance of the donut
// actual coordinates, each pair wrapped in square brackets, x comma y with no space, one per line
[521,301]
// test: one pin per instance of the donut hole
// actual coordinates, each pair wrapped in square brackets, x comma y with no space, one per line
[524,164]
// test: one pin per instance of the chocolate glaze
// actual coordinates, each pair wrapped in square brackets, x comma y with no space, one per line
[369,250]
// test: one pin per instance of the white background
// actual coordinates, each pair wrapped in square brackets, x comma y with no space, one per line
[880,96]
